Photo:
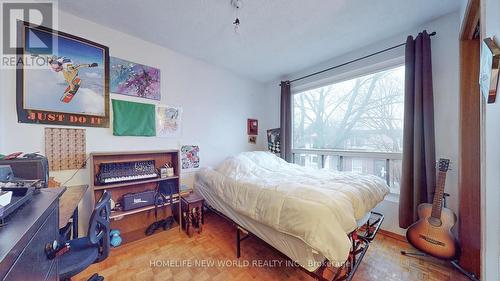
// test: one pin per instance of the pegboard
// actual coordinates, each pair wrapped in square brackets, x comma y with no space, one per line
[65,148]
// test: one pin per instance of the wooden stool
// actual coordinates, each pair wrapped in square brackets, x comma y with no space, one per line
[192,213]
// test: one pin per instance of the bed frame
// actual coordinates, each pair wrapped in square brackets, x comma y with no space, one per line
[360,239]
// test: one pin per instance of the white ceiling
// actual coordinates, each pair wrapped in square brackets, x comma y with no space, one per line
[277,37]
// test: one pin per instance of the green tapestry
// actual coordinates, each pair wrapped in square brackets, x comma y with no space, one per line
[133,119]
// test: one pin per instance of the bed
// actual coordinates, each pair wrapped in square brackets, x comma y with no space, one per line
[309,215]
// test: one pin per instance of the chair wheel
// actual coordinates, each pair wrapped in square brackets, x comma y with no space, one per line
[96,277]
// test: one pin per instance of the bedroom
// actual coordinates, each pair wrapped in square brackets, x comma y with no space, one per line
[190,94]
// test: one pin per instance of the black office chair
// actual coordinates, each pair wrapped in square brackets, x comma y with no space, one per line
[91,249]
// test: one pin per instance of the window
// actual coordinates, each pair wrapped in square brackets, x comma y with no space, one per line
[353,125]
[357,165]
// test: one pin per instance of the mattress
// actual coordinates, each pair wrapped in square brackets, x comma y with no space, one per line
[294,248]
[316,207]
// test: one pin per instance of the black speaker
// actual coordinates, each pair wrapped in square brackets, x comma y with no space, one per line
[32,168]
[167,188]
[138,199]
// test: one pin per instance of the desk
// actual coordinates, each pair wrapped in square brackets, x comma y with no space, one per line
[23,239]
[68,206]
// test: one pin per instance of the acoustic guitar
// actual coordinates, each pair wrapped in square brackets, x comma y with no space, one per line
[432,233]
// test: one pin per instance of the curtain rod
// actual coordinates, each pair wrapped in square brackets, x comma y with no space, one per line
[352,61]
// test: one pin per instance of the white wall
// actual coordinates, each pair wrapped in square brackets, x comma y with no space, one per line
[490,189]
[446,95]
[271,105]
[463,8]
[2,119]
[216,105]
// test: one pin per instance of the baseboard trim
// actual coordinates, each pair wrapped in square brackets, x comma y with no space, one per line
[393,235]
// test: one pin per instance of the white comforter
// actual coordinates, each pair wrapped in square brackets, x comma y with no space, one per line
[317,206]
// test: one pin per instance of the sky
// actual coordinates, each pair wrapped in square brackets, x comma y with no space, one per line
[75,50]
[44,87]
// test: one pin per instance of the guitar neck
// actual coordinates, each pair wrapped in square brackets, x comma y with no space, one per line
[437,205]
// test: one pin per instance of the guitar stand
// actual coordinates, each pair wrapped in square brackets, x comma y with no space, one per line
[454,263]
[470,275]
[413,254]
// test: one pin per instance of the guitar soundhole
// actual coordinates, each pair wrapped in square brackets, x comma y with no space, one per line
[434,221]
[432,241]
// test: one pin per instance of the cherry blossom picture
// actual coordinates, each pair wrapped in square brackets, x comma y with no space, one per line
[134,79]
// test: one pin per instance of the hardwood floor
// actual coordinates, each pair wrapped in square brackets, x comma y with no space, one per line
[161,257]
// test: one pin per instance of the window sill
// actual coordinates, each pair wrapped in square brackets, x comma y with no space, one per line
[392,197]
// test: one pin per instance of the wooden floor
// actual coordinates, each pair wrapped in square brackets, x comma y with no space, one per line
[166,256]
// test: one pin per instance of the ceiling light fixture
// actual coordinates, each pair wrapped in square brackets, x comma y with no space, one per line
[236,23]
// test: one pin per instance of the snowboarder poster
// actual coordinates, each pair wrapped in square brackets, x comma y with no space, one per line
[66,86]
[134,79]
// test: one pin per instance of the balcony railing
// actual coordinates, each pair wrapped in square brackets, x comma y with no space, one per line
[386,165]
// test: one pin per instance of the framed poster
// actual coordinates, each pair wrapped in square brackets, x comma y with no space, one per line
[68,85]
[134,79]
[252,127]
[252,139]
[168,121]
[273,140]
[190,157]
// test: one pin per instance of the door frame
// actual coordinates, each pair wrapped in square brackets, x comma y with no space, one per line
[471,127]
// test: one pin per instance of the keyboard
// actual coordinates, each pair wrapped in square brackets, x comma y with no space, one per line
[126,171]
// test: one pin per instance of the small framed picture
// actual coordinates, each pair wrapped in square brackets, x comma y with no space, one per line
[252,139]
[490,64]
[252,127]
[273,140]
[190,157]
